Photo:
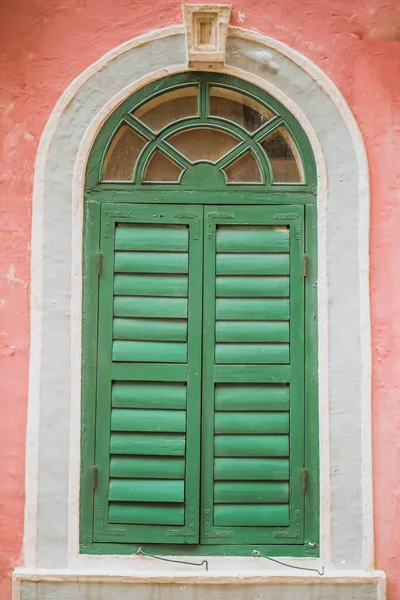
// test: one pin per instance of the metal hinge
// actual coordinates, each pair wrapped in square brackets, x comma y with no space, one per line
[99,263]
[304,479]
[94,477]
[178,532]
[286,536]
[305,265]
[218,534]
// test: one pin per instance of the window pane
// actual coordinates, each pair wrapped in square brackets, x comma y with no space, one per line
[239,108]
[122,155]
[169,107]
[284,157]
[161,168]
[244,169]
[203,143]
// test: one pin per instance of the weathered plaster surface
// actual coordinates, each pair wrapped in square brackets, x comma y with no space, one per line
[51,538]
[45,45]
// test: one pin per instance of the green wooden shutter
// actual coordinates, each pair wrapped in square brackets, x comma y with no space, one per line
[253,379]
[149,375]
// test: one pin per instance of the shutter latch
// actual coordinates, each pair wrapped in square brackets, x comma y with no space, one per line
[304,479]
[94,477]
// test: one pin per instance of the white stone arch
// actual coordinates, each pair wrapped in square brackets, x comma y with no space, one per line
[52,458]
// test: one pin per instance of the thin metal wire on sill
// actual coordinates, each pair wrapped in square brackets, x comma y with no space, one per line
[257,553]
[141,552]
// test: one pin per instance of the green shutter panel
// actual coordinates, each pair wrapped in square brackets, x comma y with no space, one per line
[253,379]
[149,365]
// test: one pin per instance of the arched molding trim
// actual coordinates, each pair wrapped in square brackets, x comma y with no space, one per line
[51,519]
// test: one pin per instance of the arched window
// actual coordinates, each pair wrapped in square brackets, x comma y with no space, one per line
[199,343]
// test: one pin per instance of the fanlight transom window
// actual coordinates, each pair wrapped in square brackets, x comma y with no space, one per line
[204,120]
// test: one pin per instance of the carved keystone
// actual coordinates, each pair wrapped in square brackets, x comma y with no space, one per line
[206,30]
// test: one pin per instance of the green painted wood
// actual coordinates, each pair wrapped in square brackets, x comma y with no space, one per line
[128,419]
[252,264]
[151,262]
[152,238]
[244,397]
[311,420]
[142,514]
[142,306]
[147,444]
[151,285]
[251,515]
[147,490]
[90,307]
[148,371]
[251,373]
[252,331]
[168,330]
[251,445]
[252,354]
[246,286]
[149,395]
[237,194]
[251,423]
[205,174]
[250,238]
[255,469]
[149,352]
[242,445]
[250,493]
[142,467]
[270,309]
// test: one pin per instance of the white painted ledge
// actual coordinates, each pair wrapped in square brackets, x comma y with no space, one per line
[196,575]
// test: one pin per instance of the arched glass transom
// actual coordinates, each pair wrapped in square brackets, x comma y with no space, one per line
[202,130]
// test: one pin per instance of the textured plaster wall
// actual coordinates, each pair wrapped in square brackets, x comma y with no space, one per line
[44,44]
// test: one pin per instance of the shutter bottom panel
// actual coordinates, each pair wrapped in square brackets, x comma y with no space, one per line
[147,462]
[248,480]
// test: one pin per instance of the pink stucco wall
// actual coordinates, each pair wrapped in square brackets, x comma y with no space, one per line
[44,44]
